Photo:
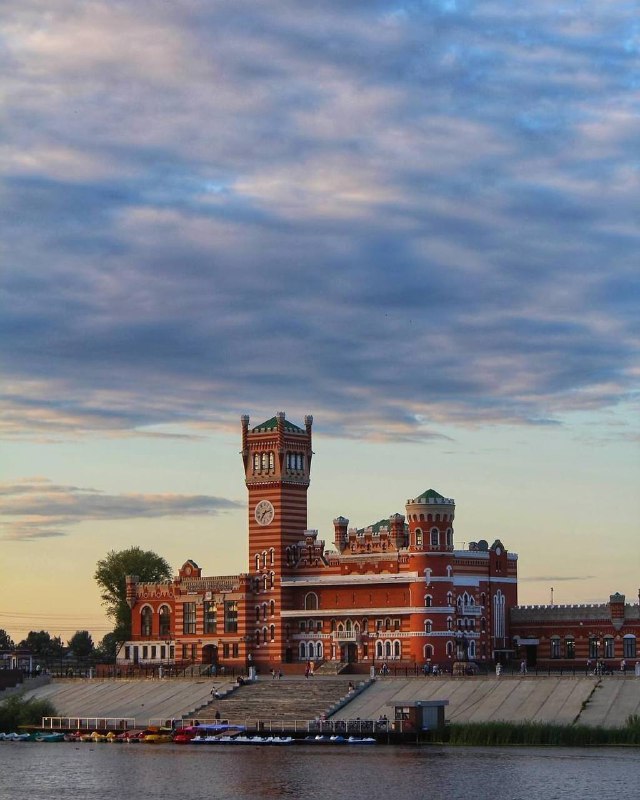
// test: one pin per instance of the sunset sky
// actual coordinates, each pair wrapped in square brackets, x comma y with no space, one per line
[419,222]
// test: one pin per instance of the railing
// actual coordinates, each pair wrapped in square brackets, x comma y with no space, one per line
[88,723]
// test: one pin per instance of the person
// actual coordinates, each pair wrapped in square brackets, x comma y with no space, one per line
[523,667]
[498,669]
[273,674]
[279,674]
[623,666]
[351,686]
[217,714]
[637,669]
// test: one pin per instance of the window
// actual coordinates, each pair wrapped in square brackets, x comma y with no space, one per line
[449,537]
[428,626]
[272,557]
[435,537]
[145,621]
[235,650]
[428,651]
[188,618]
[397,649]
[555,647]
[311,601]
[230,616]
[210,623]
[145,651]
[164,630]
[608,647]
[629,646]
[272,633]
[303,626]
[418,537]
[272,607]
[569,647]
[225,650]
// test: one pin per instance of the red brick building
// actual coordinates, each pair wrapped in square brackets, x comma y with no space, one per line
[395,591]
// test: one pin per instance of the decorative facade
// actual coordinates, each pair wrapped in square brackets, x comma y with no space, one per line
[396,591]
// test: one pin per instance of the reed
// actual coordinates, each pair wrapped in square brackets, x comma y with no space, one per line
[536,733]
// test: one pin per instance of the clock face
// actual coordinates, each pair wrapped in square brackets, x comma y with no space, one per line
[264,513]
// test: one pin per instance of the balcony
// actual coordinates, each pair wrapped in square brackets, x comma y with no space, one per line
[345,636]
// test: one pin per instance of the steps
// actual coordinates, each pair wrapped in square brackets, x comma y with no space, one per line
[278,700]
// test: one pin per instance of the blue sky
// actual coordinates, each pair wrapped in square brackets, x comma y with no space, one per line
[416,221]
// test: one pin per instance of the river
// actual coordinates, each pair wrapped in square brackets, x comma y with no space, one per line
[39,771]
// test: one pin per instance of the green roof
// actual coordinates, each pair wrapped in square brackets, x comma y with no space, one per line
[430,494]
[272,424]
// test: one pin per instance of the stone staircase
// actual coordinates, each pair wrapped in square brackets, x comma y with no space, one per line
[278,700]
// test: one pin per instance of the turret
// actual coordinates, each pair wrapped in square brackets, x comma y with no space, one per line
[430,517]
[340,527]
[131,584]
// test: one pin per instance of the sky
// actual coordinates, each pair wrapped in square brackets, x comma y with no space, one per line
[417,221]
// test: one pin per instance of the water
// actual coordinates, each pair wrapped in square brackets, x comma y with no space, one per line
[39,771]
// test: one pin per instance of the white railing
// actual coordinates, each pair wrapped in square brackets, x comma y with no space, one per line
[88,723]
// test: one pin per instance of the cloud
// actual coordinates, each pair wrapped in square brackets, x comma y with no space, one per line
[397,216]
[36,508]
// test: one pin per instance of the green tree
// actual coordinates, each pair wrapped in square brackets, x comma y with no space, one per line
[106,650]
[16,711]
[43,645]
[81,644]
[6,642]
[110,575]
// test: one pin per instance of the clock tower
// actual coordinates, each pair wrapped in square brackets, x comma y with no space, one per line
[277,462]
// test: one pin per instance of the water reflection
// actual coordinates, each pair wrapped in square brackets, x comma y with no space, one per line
[143,772]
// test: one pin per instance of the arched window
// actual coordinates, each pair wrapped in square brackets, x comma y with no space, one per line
[428,626]
[428,600]
[271,462]
[319,650]
[449,624]
[265,583]
[303,651]
[397,649]
[272,607]
[265,462]
[498,615]
[272,633]
[264,611]
[449,537]
[435,537]
[264,635]
[165,622]
[146,616]
[310,601]
[629,646]
[472,649]
[257,613]
[272,557]
[264,558]
[449,648]
[256,462]
[257,638]
[272,579]
[347,626]
[449,599]
[311,650]
[418,537]
[257,562]
[388,649]
[379,649]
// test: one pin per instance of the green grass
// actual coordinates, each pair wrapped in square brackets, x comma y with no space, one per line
[534,733]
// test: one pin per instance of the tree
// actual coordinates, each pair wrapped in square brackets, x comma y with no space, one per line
[81,644]
[110,575]
[6,642]
[43,645]
[107,649]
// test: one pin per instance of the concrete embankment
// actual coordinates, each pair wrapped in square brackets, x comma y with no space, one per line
[593,701]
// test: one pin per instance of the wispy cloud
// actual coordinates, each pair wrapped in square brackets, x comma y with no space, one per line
[396,215]
[36,508]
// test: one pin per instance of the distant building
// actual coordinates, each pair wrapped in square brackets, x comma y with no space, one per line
[577,636]
[396,591]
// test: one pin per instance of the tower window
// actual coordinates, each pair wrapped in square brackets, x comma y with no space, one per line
[435,537]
